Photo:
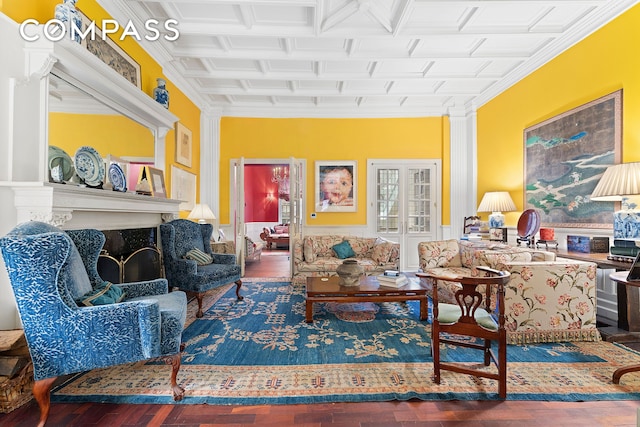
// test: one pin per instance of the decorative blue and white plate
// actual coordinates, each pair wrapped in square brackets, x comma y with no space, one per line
[89,166]
[117,178]
[59,160]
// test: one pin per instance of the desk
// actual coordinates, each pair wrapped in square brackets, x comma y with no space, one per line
[598,258]
[633,308]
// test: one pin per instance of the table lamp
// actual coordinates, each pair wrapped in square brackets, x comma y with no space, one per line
[202,212]
[496,202]
[618,183]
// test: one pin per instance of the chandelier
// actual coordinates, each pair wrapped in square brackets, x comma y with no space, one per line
[280,176]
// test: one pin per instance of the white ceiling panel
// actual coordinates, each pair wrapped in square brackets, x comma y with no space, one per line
[360,58]
[234,64]
[212,12]
[289,15]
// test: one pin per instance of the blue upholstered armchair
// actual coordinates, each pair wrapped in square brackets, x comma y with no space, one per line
[49,271]
[181,236]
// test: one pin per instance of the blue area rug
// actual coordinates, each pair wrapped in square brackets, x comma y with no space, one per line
[261,351]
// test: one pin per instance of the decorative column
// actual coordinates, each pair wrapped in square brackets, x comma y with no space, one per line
[463,168]
[210,160]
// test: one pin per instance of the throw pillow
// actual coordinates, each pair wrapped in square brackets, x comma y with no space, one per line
[381,251]
[106,293]
[198,256]
[343,250]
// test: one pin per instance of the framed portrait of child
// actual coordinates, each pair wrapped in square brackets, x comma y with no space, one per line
[336,186]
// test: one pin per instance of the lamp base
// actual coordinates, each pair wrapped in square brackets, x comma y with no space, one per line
[496,220]
[626,224]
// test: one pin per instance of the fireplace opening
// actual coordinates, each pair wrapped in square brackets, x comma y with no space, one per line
[130,255]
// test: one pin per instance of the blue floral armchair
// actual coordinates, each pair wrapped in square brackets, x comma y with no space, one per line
[49,271]
[181,236]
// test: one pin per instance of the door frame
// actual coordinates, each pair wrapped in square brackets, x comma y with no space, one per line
[400,163]
[239,198]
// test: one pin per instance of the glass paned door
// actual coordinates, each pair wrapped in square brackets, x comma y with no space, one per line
[405,204]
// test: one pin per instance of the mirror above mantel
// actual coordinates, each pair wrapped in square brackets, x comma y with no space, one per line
[77,119]
[57,72]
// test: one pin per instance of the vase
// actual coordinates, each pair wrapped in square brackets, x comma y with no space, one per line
[349,272]
[67,13]
[161,94]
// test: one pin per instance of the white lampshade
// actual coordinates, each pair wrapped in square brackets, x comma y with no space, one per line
[618,182]
[496,202]
[202,212]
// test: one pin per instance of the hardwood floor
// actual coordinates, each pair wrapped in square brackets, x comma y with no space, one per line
[275,263]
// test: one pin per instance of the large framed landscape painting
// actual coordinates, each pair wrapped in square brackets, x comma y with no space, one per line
[565,158]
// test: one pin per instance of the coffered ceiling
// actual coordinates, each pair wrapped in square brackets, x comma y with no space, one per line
[358,58]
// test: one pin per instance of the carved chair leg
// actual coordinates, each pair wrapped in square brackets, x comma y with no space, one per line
[238,285]
[42,394]
[174,361]
[199,297]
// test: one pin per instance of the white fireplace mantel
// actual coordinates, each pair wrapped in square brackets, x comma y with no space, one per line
[73,207]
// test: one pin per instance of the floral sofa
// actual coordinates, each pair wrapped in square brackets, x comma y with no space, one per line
[314,256]
[546,300]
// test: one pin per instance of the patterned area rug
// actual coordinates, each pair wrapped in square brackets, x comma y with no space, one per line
[261,351]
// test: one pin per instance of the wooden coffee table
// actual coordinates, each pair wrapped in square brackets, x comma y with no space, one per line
[327,289]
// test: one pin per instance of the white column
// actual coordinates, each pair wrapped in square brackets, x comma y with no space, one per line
[463,167]
[210,160]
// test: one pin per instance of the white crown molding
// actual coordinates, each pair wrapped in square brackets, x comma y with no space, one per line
[606,13]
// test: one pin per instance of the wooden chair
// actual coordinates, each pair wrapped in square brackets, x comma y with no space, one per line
[471,317]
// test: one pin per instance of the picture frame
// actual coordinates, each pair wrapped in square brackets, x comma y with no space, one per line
[336,186]
[155,182]
[158,188]
[184,145]
[111,53]
[183,187]
[565,157]
[498,234]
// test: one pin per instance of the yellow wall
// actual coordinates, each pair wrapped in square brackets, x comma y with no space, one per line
[331,139]
[602,63]
[107,134]
[179,104]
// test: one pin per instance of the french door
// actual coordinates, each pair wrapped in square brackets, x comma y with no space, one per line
[294,205]
[404,199]
[237,172]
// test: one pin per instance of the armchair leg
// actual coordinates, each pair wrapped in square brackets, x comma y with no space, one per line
[199,297]
[238,285]
[42,394]
[175,362]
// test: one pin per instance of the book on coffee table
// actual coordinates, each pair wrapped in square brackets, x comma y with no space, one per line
[393,281]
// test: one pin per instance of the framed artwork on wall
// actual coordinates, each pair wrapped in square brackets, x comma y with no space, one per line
[110,53]
[565,157]
[336,189]
[184,145]
[151,182]
[183,187]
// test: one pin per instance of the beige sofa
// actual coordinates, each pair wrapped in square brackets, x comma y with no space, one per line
[313,256]
[546,300]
